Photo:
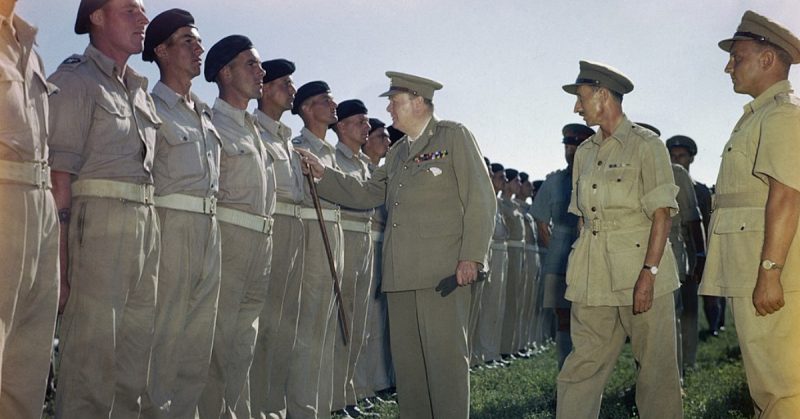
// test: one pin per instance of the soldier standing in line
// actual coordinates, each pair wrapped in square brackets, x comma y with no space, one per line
[102,140]
[246,204]
[531,303]
[515,224]
[29,273]
[558,229]
[186,179]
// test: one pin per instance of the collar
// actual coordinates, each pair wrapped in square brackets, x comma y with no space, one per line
[276,128]
[424,130]
[621,133]
[166,94]
[109,68]
[19,28]
[783,86]
[347,151]
[240,116]
[315,142]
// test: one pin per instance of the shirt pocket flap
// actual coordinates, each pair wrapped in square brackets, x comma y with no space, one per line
[237,148]
[174,135]
[113,106]
[738,220]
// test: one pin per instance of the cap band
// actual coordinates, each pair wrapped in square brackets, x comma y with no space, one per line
[403,89]
[586,81]
[751,35]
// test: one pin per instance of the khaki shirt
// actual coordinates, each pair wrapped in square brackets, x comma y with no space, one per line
[23,94]
[764,143]
[187,146]
[289,179]
[514,220]
[551,207]
[327,156]
[356,165]
[617,185]
[500,230]
[687,212]
[246,179]
[102,127]
[440,204]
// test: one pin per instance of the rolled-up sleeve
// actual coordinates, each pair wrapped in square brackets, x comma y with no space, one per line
[658,184]
[70,120]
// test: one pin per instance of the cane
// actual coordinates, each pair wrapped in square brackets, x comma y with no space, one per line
[327,243]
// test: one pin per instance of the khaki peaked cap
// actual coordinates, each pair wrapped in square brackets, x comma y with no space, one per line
[601,75]
[409,83]
[755,27]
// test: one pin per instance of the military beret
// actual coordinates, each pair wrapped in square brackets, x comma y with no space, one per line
[537,184]
[277,68]
[225,50]
[755,27]
[375,123]
[306,91]
[409,83]
[394,134]
[511,174]
[162,27]
[650,127]
[682,141]
[598,74]
[86,8]
[523,177]
[497,167]
[348,108]
[575,134]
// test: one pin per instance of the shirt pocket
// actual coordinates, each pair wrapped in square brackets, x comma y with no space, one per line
[622,187]
[12,111]
[183,150]
[625,256]
[112,124]
[740,233]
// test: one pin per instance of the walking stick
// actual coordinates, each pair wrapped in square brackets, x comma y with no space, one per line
[336,289]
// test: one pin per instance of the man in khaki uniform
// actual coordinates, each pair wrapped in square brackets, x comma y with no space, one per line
[621,273]
[441,213]
[530,302]
[102,140]
[754,246]
[558,229]
[310,385]
[245,207]
[29,273]
[352,129]
[186,179]
[277,325]
[515,223]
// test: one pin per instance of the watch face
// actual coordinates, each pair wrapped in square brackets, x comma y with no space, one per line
[767,264]
[654,270]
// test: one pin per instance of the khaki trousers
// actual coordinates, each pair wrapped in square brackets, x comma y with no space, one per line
[515,286]
[186,310]
[246,258]
[277,325]
[771,358]
[490,322]
[310,382]
[430,352]
[28,297]
[106,331]
[374,367]
[598,335]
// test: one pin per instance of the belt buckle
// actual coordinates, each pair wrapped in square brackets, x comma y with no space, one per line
[41,175]
[210,205]
[147,194]
[298,211]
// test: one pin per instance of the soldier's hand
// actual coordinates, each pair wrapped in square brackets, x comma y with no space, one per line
[768,293]
[310,163]
[643,292]
[466,272]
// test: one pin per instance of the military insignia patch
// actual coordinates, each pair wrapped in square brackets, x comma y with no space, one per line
[296,141]
[419,158]
[71,60]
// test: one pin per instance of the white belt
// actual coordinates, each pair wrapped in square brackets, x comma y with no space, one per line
[29,173]
[205,205]
[246,220]
[357,226]
[377,236]
[516,244]
[294,210]
[141,193]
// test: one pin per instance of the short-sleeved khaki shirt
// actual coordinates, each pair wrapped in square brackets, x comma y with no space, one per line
[246,179]
[23,94]
[276,137]
[355,165]
[765,143]
[187,146]
[618,183]
[514,220]
[103,125]
[326,154]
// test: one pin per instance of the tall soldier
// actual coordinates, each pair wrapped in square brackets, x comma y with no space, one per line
[101,149]
[186,178]
[277,325]
[558,229]
[246,203]
[441,213]
[621,275]
[531,306]
[310,385]
[754,249]
[515,224]
[29,273]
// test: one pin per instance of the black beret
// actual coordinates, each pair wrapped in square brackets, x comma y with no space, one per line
[537,183]
[162,27]
[523,177]
[375,123]
[277,68]
[225,50]
[575,134]
[306,91]
[497,167]
[86,8]
[683,141]
[394,134]
[650,127]
[511,174]
[348,108]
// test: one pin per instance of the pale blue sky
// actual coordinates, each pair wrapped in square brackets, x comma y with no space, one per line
[502,63]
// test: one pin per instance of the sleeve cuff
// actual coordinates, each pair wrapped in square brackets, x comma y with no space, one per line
[662,196]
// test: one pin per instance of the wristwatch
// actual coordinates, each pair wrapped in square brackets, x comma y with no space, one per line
[653,269]
[769,265]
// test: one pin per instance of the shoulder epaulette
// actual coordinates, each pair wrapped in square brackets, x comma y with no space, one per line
[73,61]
